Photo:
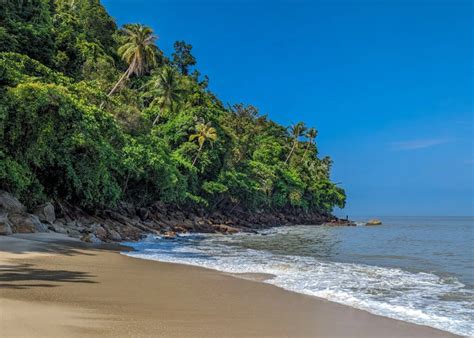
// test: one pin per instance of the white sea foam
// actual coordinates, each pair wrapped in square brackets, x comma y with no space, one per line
[395,293]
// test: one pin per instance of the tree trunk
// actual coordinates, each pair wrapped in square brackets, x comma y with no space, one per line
[126,183]
[157,118]
[306,150]
[197,155]
[291,151]
[125,75]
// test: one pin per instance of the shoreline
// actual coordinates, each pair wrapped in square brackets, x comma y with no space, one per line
[60,286]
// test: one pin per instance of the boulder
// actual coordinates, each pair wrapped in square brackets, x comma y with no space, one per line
[91,238]
[99,231]
[114,236]
[58,227]
[169,235]
[39,226]
[26,223]
[143,213]
[5,225]
[225,229]
[45,213]
[374,222]
[10,204]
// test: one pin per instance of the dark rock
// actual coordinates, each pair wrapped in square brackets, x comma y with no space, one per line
[58,227]
[99,231]
[91,238]
[46,213]
[39,226]
[10,204]
[22,223]
[128,208]
[114,236]
[26,223]
[143,213]
[130,233]
[5,225]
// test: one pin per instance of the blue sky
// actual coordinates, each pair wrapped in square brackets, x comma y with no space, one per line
[388,84]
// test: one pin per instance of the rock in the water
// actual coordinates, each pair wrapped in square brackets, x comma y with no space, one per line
[45,213]
[374,222]
[169,235]
[10,204]
[5,225]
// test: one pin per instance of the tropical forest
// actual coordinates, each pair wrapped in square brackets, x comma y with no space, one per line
[93,115]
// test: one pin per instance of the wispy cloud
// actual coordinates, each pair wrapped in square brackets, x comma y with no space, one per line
[417,144]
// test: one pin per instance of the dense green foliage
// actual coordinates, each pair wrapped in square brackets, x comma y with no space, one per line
[92,114]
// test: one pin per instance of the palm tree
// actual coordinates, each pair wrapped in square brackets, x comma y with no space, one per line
[311,134]
[296,131]
[167,88]
[204,132]
[139,51]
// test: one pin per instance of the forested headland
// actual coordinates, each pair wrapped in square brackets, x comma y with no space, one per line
[93,115]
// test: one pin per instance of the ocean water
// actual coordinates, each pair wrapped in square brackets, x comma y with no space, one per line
[416,269]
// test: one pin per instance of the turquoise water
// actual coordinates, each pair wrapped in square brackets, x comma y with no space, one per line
[417,269]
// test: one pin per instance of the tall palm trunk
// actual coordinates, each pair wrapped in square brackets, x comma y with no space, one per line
[125,75]
[292,150]
[307,148]
[157,117]
[197,155]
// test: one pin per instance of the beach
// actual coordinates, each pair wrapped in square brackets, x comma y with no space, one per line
[55,286]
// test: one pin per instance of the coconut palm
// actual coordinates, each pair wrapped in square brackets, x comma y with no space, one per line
[204,132]
[311,135]
[296,130]
[139,51]
[167,88]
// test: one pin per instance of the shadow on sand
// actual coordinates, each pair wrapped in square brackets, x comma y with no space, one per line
[19,276]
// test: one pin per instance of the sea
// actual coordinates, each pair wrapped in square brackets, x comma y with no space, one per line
[415,269]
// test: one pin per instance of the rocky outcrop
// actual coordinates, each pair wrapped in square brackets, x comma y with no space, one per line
[129,223]
[14,217]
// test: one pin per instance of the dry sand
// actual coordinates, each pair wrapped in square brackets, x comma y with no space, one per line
[52,286]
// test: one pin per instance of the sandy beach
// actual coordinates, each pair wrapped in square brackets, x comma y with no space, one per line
[54,286]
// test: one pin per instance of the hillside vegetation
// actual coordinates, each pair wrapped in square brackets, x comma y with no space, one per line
[92,114]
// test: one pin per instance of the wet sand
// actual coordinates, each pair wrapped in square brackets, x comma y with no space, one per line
[58,287]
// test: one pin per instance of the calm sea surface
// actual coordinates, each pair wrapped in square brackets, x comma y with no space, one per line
[417,269]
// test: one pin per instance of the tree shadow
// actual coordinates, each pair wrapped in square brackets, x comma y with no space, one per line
[18,276]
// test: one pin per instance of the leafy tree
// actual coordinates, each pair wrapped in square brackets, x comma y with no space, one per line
[26,27]
[182,56]
[138,51]
[311,134]
[167,90]
[297,130]
[204,132]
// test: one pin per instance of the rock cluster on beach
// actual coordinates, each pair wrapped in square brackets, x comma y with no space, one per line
[127,222]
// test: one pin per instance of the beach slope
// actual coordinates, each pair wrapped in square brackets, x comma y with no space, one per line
[53,286]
